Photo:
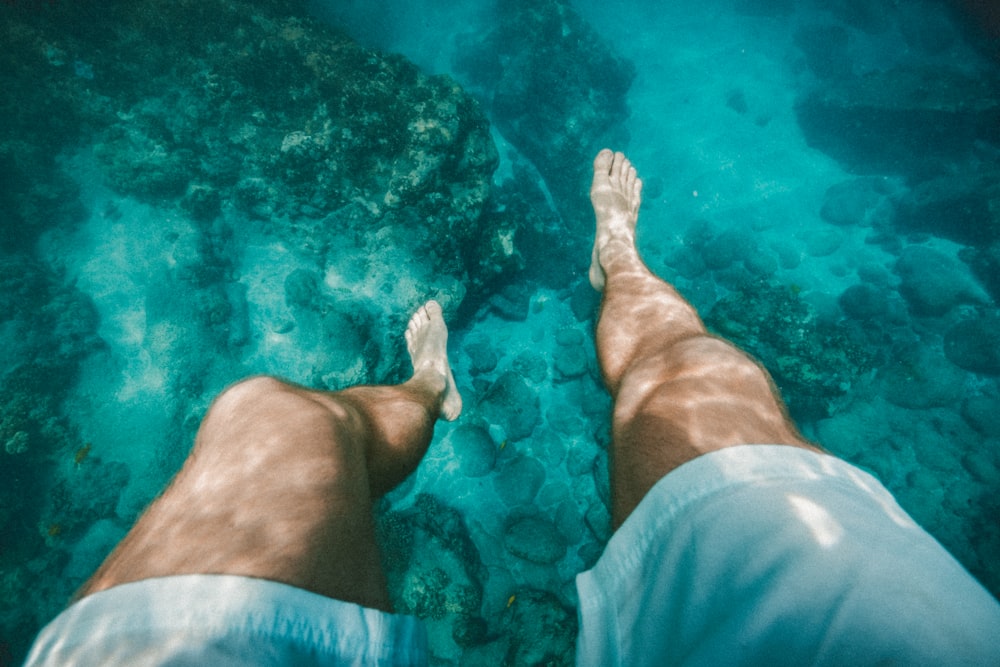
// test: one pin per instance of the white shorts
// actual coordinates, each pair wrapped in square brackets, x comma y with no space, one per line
[225,620]
[773,555]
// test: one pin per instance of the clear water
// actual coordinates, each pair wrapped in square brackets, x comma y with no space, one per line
[829,258]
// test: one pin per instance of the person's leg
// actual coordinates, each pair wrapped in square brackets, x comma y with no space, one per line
[281,480]
[678,391]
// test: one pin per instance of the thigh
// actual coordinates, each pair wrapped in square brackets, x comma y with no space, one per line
[276,488]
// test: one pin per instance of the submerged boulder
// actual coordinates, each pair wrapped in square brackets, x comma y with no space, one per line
[907,120]
[535,539]
[513,405]
[964,208]
[919,377]
[474,449]
[933,283]
[435,572]
[974,344]
[813,361]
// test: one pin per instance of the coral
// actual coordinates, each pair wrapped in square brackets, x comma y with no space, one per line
[814,363]
[557,92]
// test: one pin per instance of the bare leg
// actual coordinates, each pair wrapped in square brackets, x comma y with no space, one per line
[678,391]
[281,480]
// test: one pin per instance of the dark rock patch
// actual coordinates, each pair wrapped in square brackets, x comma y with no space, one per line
[531,366]
[544,630]
[482,357]
[519,480]
[964,208]
[933,283]
[535,539]
[982,413]
[474,448]
[907,121]
[974,344]
[512,404]
[917,377]
[856,202]
[813,361]
[864,302]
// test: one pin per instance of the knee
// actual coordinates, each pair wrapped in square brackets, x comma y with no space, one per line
[259,398]
[693,370]
[275,401]
[253,390]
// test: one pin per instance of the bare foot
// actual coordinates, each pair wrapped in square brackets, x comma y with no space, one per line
[616,195]
[427,342]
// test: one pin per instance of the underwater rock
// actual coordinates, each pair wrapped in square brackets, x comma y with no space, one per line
[824,242]
[908,120]
[728,247]
[984,463]
[434,571]
[974,344]
[302,290]
[814,362]
[761,264]
[481,356]
[51,328]
[985,265]
[856,202]
[570,361]
[542,629]
[570,337]
[513,303]
[531,366]
[518,481]
[549,447]
[474,449]
[598,519]
[980,412]
[584,301]
[34,194]
[534,539]
[864,302]
[918,377]
[686,262]
[90,495]
[601,472]
[512,405]
[735,100]
[558,93]
[933,283]
[964,208]
[225,107]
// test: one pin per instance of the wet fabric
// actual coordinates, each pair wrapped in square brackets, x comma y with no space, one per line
[225,620]
[774,555]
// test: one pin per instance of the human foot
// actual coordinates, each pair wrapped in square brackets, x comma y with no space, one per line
[616,195]
[427,343]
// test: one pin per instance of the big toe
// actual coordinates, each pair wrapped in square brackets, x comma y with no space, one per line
[602,163]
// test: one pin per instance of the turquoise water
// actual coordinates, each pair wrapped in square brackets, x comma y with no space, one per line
[194,192]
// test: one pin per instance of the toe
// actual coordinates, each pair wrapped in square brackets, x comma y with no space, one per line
[616,167]
[602,163]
